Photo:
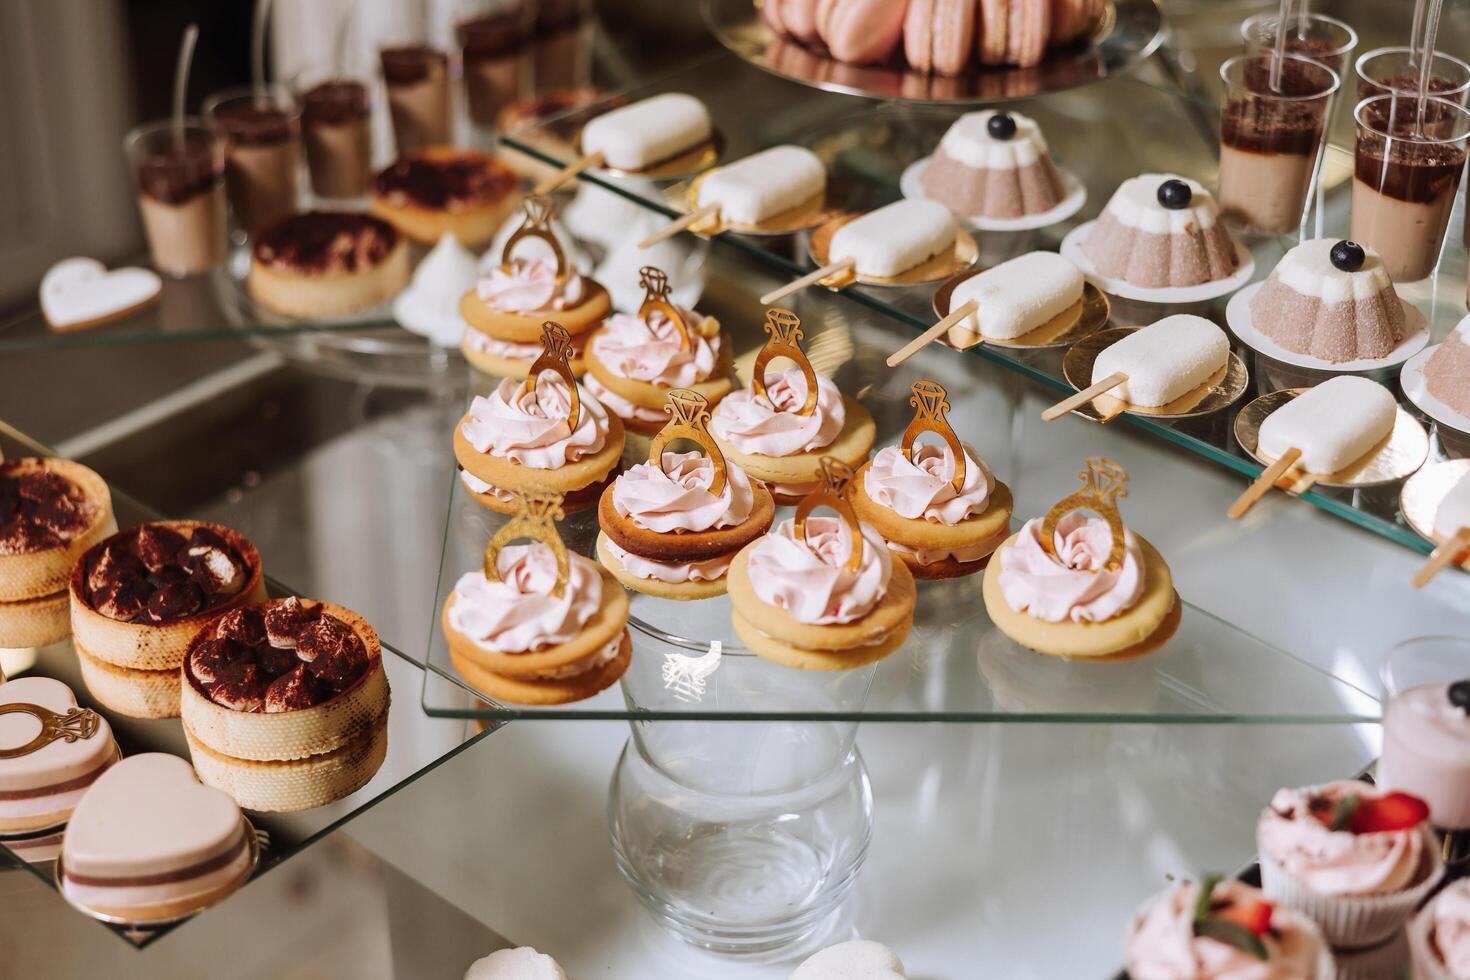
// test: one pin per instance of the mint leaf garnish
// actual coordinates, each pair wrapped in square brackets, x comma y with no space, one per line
[1231,934]
[1342,813]
[1206,897]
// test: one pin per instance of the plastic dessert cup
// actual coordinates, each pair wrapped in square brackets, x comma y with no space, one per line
[1323,39]
[417,79]
[1385,71]
[495,51]
[181,193]
[1426,730]
[262,133]
[336,120]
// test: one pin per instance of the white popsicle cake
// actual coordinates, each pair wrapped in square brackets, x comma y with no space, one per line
[637,136]
[895,238]
[1164,360]
[1334,424]
[764,184]
[1454,510]
[1019,295]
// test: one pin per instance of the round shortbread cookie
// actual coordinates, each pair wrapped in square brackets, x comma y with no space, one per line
[646,394]
[525,328]
[509,475]
[571,503]
[851,446]
[681,591]
[896,607]
[948,567]
[1068,639]
[135,693]
[563,691]
[929,535]
[34,574]
[680,546]
[788,655]
[34,622]
[510,367]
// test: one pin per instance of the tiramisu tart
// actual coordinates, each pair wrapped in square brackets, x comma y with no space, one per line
[937,505]
[633,361]
[993,164]
[672,525]
[148,844]
[779,429]
[1161,230]
[285,704]
[822,593]
[51,511]
[327,263]
[139,597]
[505,310]
[1331,300]
[546,432]
[1439,936]
[50,752]
[441,189]
[1070,585]
[537,624]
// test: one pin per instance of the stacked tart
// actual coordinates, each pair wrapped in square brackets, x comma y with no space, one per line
[780,428]
[672,525]
[327,263]
[1331,300]
[442,189]
[285,703]
[51,511]
[138,599]
[537,624]
[938,506]
[1069,585]
[633,361]
[993,164]
[506,309]
[822,593]
[1161,230]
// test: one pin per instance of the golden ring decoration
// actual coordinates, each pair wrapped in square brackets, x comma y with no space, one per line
[76,724]
[784,327]
[837,479]
[1103,482]
[931,402]
[655,283]
[537,512]
[689,419]
[537,224]
[556,356]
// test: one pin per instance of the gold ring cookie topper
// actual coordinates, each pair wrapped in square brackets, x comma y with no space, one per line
[655,285]
[76,725]
[1103,482]
[556,355]
[836,483]
[537,512]
[931,402]
[785,341]
[537,224]
[689,419]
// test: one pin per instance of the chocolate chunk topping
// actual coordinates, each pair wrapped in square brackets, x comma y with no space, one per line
[241,688]
[449,184]
[326,242]
[176,175]
[212,659]
[334,102]
[153,574]
[256,125]
[39,509]
[174,601]
[244,626]
[332,652]
[293,691]
[124,600]
[275,661]
[158,547]
[412,64]
[286,620]
[496,35]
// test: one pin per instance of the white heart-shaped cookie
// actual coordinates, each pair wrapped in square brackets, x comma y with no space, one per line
[859,959]
[78,293]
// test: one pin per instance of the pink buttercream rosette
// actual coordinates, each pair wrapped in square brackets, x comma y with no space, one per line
[1074,586]
[530,427]
[1439,936]
[518,614]
[530,286]
[808,578]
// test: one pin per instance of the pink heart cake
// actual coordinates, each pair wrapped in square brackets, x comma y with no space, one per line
[40,787]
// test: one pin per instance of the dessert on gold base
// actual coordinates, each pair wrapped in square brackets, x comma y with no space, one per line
[50,752]
[443,189]
[327,263]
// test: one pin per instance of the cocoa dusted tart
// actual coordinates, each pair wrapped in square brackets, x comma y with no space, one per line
[51,511]
[285,703]
[442,189]
[327,263]
[140,596]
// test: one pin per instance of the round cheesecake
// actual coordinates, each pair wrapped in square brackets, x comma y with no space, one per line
[327,263]
[443,189]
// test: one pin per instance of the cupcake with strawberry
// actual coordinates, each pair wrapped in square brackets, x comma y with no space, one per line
[1439,936]
[1356,859]
[1221,930]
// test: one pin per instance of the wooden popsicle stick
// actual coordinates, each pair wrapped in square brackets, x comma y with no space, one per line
[1264,482]
[679,224]
[568,172]
[928,337]
[1446,554]
[811,278]
[1084,396]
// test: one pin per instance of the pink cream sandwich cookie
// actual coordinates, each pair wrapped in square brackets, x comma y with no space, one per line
[1439,936]
[51,751]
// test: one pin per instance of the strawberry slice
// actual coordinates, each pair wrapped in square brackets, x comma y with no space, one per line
[1254,917]
[1392,811]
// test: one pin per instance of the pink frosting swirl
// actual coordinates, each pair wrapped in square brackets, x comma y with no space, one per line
[518,614]
[1338,862]
[1163,945]
[748,422]
[530,427]
[932,556]
[1451,937]
[807,578]
[922,487]
[477,340]
[1067,587]
[622,407]
[648,350]
[677,497]
[669,571]
[529,286]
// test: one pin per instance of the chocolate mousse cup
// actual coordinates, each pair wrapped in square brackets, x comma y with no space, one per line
[181,194]
[562,48]
[262,133]
[336,119]
[417,79]
[1386,71]
[1270,139]
[1324,40]
[1405,178]
[495,50]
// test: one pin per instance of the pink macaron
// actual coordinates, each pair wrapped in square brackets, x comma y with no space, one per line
[795,17]
[938,35]
[861,32]
[1030,29]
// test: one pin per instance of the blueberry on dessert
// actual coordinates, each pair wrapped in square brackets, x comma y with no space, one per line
[1001,126]
[1175,194]
[1348,256]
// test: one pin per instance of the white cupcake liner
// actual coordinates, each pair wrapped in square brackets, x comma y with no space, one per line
[1427,964]
[1326,964]
[1354,921]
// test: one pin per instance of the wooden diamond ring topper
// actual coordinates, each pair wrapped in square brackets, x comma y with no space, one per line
[689,419]
[76,725]
[930,402]
[1103,482]
[537,512]
[556,355]
[836,483]
[656,300]
[785,341]
[537,224]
